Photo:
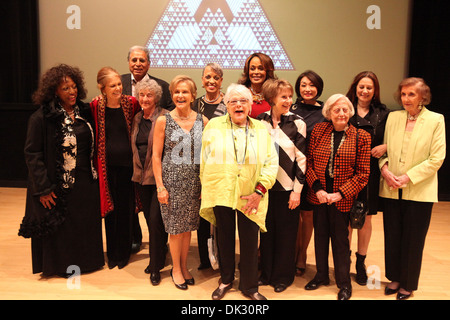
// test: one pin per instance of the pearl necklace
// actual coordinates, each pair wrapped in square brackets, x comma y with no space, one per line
[415,117]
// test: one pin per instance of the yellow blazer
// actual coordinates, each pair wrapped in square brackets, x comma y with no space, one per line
[223,181]
[425,155]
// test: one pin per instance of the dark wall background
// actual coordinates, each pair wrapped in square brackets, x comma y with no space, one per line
[19,58]
[429,59]
[19,29]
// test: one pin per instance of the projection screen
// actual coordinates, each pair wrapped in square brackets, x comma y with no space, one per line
[335,38]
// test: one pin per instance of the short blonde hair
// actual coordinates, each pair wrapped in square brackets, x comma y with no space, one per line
[326,110]
[423,89]
[182,78]
[271,88]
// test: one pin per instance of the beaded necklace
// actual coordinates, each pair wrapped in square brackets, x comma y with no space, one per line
[331,162]
[234,143]
[212,101]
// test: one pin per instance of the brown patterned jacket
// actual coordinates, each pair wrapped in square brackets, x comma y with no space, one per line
[351,168]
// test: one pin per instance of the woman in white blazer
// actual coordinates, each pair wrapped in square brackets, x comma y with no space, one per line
[415,138]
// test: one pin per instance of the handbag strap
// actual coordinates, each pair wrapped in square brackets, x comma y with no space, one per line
[360,194]
[356,148]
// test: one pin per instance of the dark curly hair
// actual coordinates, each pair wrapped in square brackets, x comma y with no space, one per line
[52,78]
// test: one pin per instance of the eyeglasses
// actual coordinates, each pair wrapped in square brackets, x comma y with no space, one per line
[235,102]
[337,110]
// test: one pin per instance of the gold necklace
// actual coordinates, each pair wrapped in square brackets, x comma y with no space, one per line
[257,97]
[331,161]
[182,118]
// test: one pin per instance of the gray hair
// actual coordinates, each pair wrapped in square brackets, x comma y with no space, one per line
[152,86]
[238,89]
[330,103]
[215,67]
[139,48]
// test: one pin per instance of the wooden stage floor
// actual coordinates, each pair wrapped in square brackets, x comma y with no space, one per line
[131,283]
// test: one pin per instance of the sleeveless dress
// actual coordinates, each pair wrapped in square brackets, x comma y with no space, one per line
[181,176]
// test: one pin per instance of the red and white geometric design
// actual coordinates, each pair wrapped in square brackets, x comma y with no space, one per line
[192,33]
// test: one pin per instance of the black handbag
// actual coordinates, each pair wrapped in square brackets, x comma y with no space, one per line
[358,212]
[360,208]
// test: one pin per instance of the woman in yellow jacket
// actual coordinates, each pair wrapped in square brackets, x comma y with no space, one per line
[415,139]
[239,164]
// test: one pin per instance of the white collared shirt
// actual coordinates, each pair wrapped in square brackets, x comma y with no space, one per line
[134,82]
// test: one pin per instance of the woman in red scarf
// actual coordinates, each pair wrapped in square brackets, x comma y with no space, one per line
[113,115]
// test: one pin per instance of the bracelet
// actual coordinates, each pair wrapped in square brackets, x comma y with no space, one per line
[260,188]
[259,192]
[160,189]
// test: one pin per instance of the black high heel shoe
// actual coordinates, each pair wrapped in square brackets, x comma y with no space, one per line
[190,281]
[403,296]
[182,286]
[388,291]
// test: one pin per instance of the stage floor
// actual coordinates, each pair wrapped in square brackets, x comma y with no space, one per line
[18,283]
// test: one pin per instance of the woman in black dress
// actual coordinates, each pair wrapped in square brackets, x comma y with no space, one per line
[62,215]
[308,87]
[210,105]
[370,115]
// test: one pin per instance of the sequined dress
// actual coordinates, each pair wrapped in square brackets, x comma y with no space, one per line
[180,175]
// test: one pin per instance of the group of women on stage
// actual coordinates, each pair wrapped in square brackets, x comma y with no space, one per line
[250,156]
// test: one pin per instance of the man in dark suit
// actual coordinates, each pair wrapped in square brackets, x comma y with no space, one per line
[139,63]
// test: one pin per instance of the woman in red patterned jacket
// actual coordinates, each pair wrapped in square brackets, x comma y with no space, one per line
[113,114]
[338,168]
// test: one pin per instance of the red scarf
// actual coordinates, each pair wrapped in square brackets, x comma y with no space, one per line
[130,107]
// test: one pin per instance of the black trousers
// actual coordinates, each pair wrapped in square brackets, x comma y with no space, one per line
[118,222]
[248,244]
[277,246]
[330,223]
[136,229]
[203,234]
[405,228]
[157,235]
